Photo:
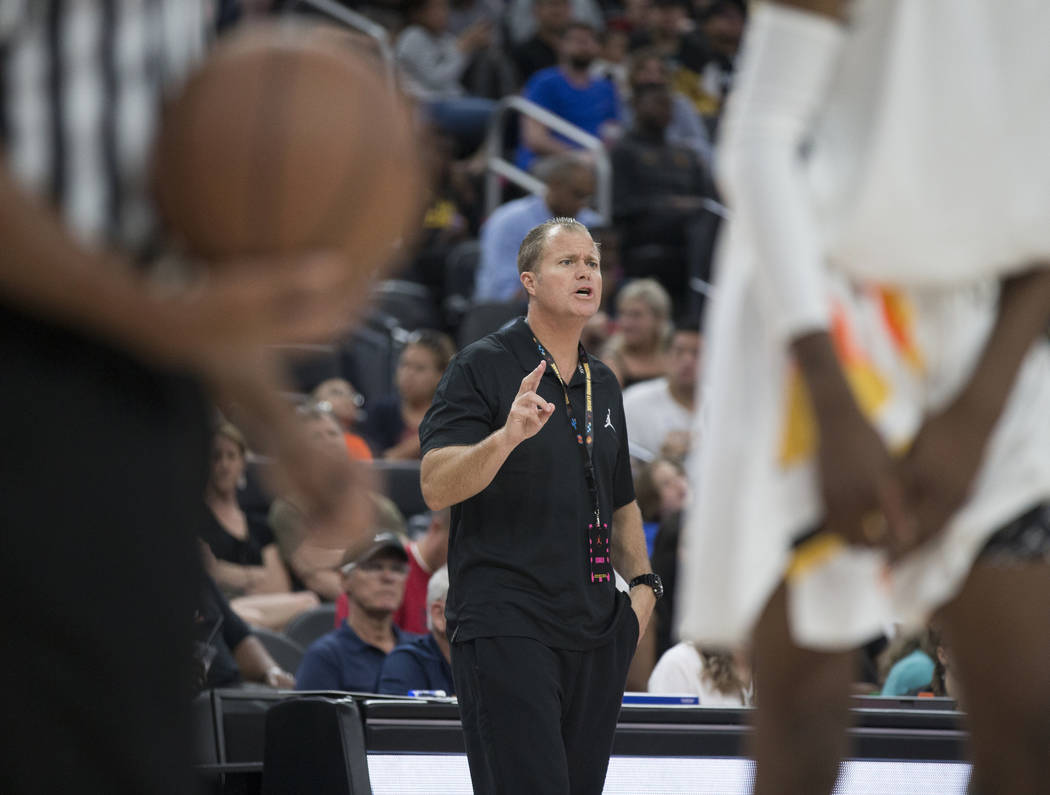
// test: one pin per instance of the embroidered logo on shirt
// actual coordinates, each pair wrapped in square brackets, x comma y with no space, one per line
[608,420]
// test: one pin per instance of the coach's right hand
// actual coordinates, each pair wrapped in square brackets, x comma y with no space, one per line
[529,412]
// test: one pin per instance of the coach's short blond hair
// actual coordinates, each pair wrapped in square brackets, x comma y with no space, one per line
[535,241]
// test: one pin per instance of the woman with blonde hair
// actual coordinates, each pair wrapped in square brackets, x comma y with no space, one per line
[718,677]
[637,351]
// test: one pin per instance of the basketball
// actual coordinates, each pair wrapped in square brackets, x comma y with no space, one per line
[288,139]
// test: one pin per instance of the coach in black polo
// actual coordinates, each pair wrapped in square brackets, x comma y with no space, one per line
[538,476]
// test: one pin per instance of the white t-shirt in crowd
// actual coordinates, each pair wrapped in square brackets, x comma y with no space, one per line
[681,671]
[651,414]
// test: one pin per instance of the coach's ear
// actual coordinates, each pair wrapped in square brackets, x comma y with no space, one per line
[528,281]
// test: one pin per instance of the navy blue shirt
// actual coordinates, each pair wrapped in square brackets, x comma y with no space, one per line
[588,108]
[342,661]
[418,665]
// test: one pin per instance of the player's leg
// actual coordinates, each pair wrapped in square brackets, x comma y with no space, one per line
[803,708]
[998,635]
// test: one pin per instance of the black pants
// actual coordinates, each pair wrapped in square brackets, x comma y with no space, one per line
[103,466]
[537,719]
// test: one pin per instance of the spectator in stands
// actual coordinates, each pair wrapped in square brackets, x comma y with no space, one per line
[662,406]
[637,351]
[720,25]
[668,30]
[225,648]
[423,663]
[339,397]
[540,51]
[350,657]
[239,550]
[433,61]
[665,564]
[451,217]
[568,90]
[944,683]
[686,127]
[426,555]
[612,62]
[466,13]
[312,566]
[658,193]
[719,678]
[907,663]
[316,567]
[662,490]
[393,422]
[569,178]
[522,21]
[701,59]
[634,16]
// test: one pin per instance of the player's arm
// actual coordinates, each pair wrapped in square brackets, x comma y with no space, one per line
[45,272]
[789,59]
[450,475]
[333,488]
[541,140]
[946,455]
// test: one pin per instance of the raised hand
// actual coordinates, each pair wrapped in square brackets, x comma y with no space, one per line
[529,412]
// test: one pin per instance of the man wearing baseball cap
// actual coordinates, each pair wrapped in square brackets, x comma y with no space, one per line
[351,656]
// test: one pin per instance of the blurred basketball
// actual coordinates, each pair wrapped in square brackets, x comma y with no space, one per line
[288,139]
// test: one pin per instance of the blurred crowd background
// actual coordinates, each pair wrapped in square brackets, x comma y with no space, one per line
[602,110]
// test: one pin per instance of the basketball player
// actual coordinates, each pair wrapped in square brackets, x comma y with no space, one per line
[103,419]
[877,430]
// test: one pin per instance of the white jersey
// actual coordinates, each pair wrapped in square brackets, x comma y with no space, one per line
[928,169]
[930,163]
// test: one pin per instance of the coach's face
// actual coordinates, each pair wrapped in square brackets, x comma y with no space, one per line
[568,278]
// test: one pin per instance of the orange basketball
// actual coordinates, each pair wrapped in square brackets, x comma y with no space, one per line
[288,139]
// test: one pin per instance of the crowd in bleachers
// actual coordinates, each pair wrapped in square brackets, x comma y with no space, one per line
[649,79]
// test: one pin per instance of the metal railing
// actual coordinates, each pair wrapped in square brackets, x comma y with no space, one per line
[497,167]
[358,22]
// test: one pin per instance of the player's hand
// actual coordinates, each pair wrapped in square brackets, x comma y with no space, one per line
[529,412]
[334,489]
[862,494]
[863,497]
[237,307]
[939,470]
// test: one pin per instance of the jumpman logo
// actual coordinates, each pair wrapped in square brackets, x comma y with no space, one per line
[608,420]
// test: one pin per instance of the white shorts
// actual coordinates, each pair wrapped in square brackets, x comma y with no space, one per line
[906,353]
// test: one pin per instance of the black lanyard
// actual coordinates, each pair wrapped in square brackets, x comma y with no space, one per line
[598,542]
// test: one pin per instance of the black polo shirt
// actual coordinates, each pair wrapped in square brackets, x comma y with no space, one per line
[518,549]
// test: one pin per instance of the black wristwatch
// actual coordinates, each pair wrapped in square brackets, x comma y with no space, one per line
[650,579]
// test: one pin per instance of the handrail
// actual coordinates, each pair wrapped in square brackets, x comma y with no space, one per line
[360,23]
[496,166]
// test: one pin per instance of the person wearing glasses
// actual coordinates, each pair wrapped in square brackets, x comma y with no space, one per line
[351,657]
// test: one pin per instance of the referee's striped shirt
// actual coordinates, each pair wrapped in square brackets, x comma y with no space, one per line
[81,83]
